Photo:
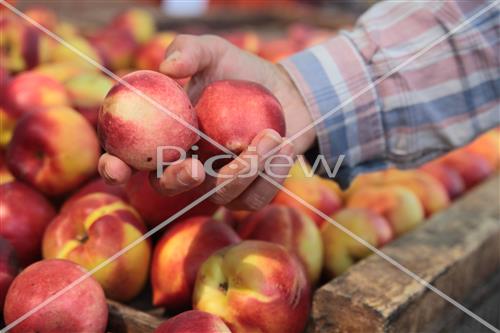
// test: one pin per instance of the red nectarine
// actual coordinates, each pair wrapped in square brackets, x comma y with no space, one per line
[233,112]
[81,309]
[24,214]
[179,254]
[132,128]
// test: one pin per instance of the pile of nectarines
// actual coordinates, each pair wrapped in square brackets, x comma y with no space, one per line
[214,269]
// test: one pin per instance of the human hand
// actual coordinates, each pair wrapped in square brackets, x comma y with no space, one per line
[206,59]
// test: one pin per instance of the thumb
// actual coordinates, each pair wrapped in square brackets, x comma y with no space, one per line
[188,55]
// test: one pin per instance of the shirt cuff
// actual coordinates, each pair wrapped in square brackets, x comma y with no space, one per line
[336,85]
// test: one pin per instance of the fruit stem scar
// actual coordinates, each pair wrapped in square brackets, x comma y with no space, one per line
[39,154]
[82,237]
[223,286]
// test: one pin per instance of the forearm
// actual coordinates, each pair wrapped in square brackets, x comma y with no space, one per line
[381,96]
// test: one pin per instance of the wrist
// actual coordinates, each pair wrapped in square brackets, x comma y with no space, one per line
[298,118]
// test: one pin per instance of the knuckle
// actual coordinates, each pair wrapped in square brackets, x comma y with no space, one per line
[181,39]
[216,40]
[221,197]
[255,201]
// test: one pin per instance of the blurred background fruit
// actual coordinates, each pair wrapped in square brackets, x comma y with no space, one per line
[25,214]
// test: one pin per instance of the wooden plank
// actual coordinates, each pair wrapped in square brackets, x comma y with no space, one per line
[456,251]
[483,301]
[124,319]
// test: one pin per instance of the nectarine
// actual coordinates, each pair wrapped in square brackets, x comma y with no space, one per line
[55,150]
[288,227]
[92,229]
[233,112]
[341,250]
[314,191]
[472,167]
[179,254]
[132,128]
[81,309]
[31,91]
[9,267]
[24,214]
[254,286]
[193,321]
[448,177]
[397,204]
[156,208]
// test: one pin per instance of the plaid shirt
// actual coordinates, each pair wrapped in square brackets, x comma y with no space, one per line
[382,101]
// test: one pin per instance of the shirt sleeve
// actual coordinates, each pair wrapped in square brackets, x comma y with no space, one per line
[410,82]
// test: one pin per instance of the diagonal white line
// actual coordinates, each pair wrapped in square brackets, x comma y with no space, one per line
[114,76]
[384,77]
[114,257]
[224,149]
[381,254]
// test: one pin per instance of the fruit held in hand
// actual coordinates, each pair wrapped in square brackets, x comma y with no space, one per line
[233,112]
[193,321]
[180,253]
[24,215]
[94,228]
[254,286]
[55,150]
[81,309]
[292,229]
[342,250]
[132,128]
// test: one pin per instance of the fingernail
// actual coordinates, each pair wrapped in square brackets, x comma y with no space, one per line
[268,142]
[173,56]
[107,175]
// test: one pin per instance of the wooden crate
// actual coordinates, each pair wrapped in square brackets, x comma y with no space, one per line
[457,251]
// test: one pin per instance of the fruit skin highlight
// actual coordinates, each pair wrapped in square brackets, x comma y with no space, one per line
[233,112]
[132,128]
